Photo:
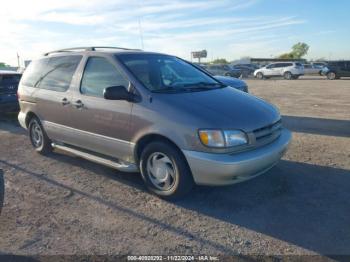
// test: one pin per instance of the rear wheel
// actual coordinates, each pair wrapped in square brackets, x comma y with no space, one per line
[259,75]
[331,75]
[287,75]
[38,137]
[165,171]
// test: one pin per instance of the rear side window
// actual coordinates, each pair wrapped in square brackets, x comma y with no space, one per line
[59,73]
[9,79]
[98,75]
[34,71]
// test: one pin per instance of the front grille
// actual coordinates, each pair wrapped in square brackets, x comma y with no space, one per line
[268,132]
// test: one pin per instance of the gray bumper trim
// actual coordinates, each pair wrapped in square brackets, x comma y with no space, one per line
[225,169]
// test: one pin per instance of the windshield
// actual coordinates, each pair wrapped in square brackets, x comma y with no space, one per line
[163,73]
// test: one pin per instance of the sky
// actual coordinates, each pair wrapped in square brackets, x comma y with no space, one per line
[228,29]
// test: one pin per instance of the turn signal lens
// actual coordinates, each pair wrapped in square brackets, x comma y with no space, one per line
[222,138]
[204,137]
[212,138]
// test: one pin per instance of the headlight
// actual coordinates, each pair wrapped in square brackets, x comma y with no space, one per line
[222,138]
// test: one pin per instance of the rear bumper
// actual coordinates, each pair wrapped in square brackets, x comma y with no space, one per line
[226,169]
[22,119]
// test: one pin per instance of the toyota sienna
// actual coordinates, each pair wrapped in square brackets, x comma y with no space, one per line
[149,112]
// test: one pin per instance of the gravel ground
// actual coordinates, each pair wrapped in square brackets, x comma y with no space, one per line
[62,204]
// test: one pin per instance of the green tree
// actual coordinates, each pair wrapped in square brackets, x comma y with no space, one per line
[220,61]
[286,56]
[3,64]
[298,51]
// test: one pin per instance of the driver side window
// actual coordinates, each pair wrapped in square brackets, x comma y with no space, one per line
[167,75]
[98,75]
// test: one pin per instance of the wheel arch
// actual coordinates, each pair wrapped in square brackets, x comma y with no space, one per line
[29,116]
[152,137]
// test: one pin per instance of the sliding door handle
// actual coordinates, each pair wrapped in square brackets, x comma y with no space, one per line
[78,104]
[65,101]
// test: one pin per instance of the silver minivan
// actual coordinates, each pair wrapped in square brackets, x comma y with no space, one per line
[149,112]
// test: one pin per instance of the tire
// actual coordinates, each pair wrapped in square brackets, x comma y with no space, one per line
[288,75]
[174,178]
[38,137]
[331,75]
[260,75]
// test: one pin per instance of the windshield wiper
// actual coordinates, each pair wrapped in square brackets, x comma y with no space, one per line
[167,90]
[204,84]
[190,87]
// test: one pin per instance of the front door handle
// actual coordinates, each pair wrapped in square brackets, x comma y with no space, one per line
[78,104]
[65,101]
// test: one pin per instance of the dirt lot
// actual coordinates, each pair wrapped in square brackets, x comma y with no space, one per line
[65,205]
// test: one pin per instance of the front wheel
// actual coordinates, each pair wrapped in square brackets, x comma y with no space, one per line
[288,75]
[331,75]
[38,137]
[165,171]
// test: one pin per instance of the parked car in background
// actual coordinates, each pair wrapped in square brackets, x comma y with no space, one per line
[320,65]
[149,112]
[227,80]
[311,69]
[9,81]
[337,69]
[252,66]
[289,70]
[233,82]
[245,70]
[223,70]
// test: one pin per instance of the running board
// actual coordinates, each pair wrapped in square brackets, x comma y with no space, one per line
[121,166]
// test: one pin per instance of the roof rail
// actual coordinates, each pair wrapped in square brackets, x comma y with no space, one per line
[89,48]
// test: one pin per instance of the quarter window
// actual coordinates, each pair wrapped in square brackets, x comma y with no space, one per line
[98,75]
[59,73]
[34,71]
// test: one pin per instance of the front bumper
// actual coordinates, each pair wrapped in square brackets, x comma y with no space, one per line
[226,169]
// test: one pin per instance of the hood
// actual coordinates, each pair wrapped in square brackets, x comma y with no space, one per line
[224,108]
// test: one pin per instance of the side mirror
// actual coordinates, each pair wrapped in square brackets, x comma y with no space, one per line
[117,93]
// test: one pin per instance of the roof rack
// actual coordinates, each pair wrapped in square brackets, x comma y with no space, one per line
[89,48]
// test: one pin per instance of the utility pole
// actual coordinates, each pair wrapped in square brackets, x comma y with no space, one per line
[140,28]
[18,60]
[141,34]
